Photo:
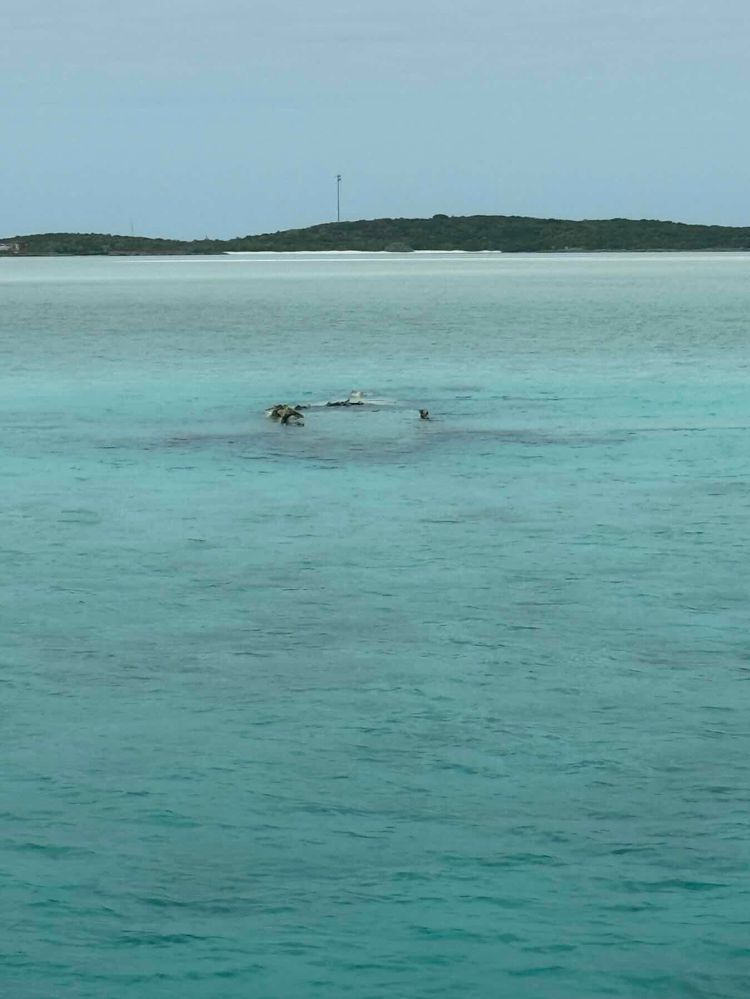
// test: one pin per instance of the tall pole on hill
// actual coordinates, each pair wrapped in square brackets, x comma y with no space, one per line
[338,197]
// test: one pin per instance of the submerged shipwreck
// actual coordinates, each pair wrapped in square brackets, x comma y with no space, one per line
[286,413]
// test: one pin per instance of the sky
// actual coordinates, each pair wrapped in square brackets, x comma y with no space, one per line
[189,118]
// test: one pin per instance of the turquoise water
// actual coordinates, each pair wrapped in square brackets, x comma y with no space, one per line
[375,707]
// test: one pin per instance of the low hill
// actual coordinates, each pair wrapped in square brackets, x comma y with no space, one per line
[90,243]
[510,233]
[500,232]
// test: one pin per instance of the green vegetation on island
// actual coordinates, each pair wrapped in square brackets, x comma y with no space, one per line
[509,233]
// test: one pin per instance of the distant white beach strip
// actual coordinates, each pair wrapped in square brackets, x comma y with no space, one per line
[436,256]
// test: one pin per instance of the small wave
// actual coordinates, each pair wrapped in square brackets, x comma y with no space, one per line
[51,850]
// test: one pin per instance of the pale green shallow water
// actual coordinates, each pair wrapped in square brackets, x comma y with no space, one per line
[374,707]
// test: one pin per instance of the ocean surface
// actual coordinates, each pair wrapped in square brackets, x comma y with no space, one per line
[375,707]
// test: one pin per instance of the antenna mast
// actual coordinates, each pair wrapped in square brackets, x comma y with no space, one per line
[338,197]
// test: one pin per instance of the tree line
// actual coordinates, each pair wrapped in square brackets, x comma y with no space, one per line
[509,233]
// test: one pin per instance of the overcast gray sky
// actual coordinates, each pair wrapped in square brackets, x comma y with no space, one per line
[226,117]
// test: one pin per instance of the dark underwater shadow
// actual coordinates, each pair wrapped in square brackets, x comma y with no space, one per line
[399,444]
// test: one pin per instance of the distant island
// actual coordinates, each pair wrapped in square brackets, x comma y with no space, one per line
[471,233]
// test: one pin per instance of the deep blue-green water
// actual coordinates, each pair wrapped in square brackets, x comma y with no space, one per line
[375,707]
